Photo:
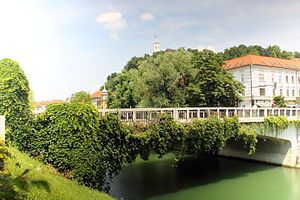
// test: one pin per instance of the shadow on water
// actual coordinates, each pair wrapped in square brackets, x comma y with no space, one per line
[147,179]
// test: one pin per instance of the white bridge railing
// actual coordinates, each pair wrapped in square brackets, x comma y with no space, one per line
[190,113]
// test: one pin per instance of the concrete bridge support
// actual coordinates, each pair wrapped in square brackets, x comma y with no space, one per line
[281,150]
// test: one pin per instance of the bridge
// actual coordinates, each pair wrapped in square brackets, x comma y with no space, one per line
[184,115]
[283,149]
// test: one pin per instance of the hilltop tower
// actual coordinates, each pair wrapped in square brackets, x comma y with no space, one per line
[156,45]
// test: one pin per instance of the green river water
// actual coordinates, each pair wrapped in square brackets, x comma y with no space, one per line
[206,178]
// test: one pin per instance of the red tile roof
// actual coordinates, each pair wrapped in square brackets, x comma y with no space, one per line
[96,94]
[46,103]
[263,61]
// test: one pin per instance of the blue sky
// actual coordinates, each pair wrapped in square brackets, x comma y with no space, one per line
[65,46]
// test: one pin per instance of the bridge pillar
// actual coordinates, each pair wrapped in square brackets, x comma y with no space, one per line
[281,150]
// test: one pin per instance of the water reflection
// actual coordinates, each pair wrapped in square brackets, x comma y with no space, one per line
[205,177]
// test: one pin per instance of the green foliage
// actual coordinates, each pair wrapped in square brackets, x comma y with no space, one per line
[166,135]
[120,90]
[3,154]
[14,102]
[92,149]
[270,51]
[207,134]
[279,101]
[249,136]
[133,63]
[81,97]
[31,179]
[163,79]
[275,124]
[296,123]
[172,79]
[77,142]
[211,134]
[7,190]
[212,82]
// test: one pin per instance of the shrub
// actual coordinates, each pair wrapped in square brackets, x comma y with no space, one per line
[77,142]
[14,102]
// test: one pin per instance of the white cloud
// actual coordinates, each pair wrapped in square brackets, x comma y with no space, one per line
[147,17]
[113,22]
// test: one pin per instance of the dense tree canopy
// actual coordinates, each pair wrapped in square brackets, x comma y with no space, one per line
[172,79]
[162,80]
[211,84]
[270,51]
[81,97]
[120,90]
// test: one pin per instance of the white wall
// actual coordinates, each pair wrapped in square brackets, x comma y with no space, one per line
[279,77]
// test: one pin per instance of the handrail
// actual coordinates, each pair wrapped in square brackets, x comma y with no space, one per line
[245,114]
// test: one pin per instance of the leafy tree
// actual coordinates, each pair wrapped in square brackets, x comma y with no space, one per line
[133,63]
[120,90]
[162,79]
[212,85]
[279,101]
[297,54]
[81,97]
[270,51]
[172,79]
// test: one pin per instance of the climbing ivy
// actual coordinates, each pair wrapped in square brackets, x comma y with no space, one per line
[206,134]
[275,124]
[166,135]
[92,149]
[249,136]
[14,102]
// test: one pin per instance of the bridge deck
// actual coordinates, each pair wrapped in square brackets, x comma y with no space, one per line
[189,113]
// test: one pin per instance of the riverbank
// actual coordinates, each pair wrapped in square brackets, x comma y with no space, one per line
[33,180]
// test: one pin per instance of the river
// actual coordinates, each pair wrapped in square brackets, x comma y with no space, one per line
[205,178]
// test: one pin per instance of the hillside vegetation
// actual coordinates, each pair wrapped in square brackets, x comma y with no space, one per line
[27,178]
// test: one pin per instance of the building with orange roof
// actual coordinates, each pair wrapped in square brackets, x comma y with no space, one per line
[99,99]
[41,106]
[266,77]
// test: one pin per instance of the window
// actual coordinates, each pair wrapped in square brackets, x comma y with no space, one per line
[242,78]
[280,79]
[272,78]
[281,92]
[261,77]
[299,80]
[262,92]
[287,79]
[293,93]
[287,93]
[292,79]
[273,92]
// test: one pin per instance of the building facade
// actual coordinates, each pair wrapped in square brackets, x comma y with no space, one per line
[266,77]
[99,99]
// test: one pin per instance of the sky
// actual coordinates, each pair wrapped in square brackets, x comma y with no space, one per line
[66,46]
